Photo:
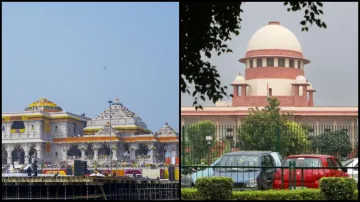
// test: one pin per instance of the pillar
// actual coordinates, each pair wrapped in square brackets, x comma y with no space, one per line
[236,90]
[39,153]
[9,150]
[311,99]
[96,152]
[26,155]
[114,154]
[82,154]
[304,91]
[296,90]
[243,90]
[133,147]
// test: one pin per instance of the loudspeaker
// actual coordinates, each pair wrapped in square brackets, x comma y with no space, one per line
[171,173]
[80,168]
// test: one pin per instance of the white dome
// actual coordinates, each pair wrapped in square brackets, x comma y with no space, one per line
[274,36]
[300,79]
[239,79]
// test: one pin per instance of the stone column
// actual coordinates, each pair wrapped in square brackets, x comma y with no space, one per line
[96,152]
[133,147]
[151,152]
[114,153]
[39,152]
[9,156]
[26,155]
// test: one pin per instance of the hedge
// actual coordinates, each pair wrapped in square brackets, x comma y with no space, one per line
[303,194]
[214,188]
[337,188]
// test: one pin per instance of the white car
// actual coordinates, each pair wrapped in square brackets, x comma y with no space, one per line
[351,164]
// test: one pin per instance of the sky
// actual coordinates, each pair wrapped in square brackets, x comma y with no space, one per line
[333,52]
[59,51]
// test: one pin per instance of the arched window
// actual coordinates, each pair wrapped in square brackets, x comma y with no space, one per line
[55,128]
[291,63]
[32,127]
[3,128]
[74,127]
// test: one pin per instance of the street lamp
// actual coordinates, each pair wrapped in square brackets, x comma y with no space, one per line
[208,139]
[110,102]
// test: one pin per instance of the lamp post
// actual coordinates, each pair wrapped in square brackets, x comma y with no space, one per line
[110,102]
[208,139]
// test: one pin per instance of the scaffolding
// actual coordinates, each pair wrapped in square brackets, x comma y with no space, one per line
[88,188]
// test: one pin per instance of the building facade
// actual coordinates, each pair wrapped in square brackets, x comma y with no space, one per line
[274,67]
[47,133]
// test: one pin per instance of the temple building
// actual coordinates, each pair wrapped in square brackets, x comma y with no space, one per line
[47,133]
[274,67]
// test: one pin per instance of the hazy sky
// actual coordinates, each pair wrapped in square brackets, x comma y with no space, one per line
[333,52]
[59,50]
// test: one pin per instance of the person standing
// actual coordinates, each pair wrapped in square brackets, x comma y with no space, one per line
[34,168]
[28,170]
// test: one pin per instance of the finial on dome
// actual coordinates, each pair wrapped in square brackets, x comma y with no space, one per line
[166,123]
[117,100]
[239,74]
[274,23]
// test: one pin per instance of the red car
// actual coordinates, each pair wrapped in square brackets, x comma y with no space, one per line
[309,169]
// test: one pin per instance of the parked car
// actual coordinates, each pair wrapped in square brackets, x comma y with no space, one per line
[352,171]
[254,169]
[314,167]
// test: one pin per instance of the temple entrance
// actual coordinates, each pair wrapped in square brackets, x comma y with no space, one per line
[74,152]
[104,155]
[89,152]
[161,153]
[18,155]
[142,151]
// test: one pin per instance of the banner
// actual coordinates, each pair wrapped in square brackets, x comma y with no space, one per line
[48,147]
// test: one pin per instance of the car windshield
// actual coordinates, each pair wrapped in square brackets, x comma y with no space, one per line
[348,162]
[303,162]
[239,161]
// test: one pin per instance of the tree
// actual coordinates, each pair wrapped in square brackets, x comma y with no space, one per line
[334,143]
[196,135]
[205,27]
[258,131]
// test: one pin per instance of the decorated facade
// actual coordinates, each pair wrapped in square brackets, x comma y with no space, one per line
[117,135]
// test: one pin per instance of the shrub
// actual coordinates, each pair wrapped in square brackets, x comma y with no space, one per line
[215,188]
[337,188]
[190,194]
[305,194]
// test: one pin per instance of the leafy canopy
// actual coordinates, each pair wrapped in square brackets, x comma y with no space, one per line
[196,135]
[332,143]
[258,131]
[205,27]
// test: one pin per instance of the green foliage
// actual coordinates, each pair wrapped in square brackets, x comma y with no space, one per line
[197,139]
[337,188]
[304,194]
[215,188]
[332,143]
[190,194]
[205,29]
[258,131]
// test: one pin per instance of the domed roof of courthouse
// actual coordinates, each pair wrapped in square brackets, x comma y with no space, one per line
[43,104]
[274,36]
